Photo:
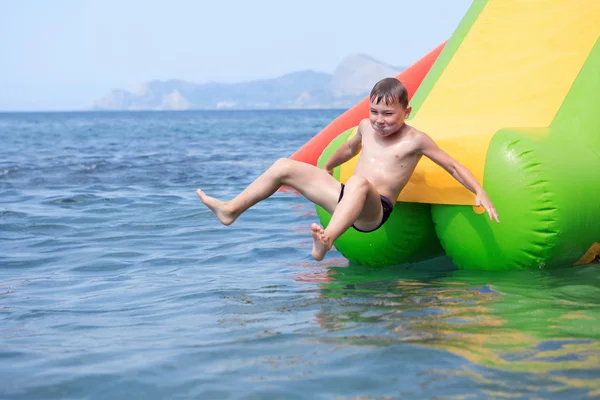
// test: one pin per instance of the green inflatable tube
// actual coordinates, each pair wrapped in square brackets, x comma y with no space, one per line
[544,182]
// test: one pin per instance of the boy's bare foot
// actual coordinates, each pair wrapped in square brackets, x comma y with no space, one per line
[225,215]
[321,244]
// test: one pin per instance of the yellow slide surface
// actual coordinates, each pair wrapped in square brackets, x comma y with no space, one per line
[513,68]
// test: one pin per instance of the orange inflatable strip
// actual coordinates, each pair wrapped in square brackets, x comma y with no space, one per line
[411,77]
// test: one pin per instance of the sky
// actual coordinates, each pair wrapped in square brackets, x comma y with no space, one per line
[64,54]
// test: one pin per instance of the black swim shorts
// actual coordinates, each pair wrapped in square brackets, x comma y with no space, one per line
[387,205]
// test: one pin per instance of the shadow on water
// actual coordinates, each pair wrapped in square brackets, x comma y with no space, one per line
[542,324]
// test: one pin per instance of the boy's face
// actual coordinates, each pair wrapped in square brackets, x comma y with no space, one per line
[388,119]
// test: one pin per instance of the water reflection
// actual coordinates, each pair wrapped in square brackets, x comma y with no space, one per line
[543,324]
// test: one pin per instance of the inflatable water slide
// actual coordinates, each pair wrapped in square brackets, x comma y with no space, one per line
[514,95]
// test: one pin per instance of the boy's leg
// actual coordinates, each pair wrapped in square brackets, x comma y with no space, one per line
[312,182]
[361,206]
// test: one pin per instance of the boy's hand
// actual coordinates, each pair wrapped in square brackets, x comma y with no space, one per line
[483,200]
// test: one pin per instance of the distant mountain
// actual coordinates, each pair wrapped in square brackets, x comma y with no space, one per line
[350,83]
[356,75]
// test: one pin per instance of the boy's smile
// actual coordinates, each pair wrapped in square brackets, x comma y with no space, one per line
[387,119]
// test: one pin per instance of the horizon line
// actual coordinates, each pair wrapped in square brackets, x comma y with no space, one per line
[159,111]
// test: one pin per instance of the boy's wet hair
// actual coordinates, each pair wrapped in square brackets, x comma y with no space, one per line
[390,91]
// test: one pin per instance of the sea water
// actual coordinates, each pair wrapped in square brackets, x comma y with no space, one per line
[117,283]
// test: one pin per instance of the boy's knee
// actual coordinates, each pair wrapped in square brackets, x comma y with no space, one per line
[283,165]
[358,183]
[282,162]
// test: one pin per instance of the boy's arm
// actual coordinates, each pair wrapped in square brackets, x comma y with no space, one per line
[432,151]
[345,151]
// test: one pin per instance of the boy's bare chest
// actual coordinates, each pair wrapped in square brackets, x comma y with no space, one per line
[388,152]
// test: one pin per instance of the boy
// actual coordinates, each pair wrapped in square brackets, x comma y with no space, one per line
[391,150]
